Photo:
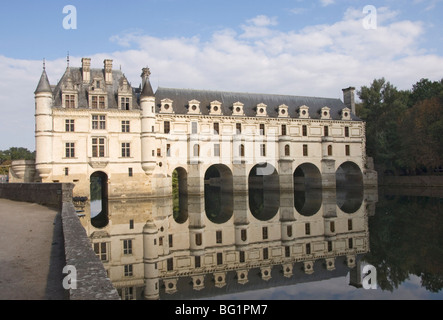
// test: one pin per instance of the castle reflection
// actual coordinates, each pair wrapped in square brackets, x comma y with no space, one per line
[191,248]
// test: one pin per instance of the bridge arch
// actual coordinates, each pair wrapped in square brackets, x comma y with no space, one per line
[98,182]
[219,198]
[307,176]
[264,191]
[349,187]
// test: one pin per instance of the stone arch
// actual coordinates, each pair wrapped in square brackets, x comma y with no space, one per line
[99,199]
[219,199]
[264,191]
[349,187]
[307,176]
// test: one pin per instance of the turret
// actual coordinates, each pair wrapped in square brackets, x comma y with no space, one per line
[150,260]
[43,126]
[147,104]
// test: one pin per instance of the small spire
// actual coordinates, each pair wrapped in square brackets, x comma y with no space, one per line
[43,84]
[67,60]
[44,64]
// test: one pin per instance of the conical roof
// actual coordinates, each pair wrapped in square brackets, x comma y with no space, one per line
[147,90]
[43,85]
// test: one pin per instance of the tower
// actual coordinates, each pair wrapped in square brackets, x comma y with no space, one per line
[43,126]
[147,104]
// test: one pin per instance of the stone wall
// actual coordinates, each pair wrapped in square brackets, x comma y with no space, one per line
[47,194]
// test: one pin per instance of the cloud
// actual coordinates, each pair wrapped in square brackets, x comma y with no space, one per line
[326,3]
[318,60]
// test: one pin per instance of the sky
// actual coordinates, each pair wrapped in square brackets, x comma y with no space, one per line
[293,47]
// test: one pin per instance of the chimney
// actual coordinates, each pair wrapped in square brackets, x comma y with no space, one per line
[349,98]
[86,70]
[108,71]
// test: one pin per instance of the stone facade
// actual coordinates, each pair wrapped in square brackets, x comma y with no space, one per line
[93,120]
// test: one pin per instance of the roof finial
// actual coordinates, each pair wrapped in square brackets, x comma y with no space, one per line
[44,64]
[67,60]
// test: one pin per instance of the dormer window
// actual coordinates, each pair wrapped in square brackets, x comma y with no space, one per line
[124,95]
[325,113]
[166,106]
[238,109]
[304,112]
[98,102]
[69,101]
[261,110]
[283,111]
[215,108]
[69,94]
[194,107]
[346,114]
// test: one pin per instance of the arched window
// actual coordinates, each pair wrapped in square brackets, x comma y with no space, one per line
[287,150]
[329,150]
[243,235]
[242,150]
[196,150]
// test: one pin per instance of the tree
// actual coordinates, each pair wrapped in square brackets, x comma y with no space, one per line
[381,106]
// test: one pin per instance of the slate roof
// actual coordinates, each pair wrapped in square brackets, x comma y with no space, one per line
[112,90]
[181,97]
[43,84]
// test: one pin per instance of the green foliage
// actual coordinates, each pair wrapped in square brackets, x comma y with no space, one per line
[404,129]
[7,156]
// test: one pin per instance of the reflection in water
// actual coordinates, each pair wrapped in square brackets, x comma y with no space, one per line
[349,199]
[307,202]
[218,204]
[161,258]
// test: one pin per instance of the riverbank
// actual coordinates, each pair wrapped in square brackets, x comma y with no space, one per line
[411,181]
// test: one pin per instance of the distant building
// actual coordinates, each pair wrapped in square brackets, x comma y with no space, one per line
[94,123]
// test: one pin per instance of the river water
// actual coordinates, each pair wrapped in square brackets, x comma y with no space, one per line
[309,244]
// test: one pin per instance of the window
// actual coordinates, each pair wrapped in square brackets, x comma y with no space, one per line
[126,150]
[242,150]
[198,239]
[131,224]
[94,103]
[307,228]
[289,231]
[262,129]
[98,122]
[197,262]
[66,171]
[127,246]
[70,150]
[346,131]
[305,150]
[168,150]
[216,128]
[125,126]
[167,127]
[332,226]
[124,103]
[69,125]
[287,150]
[101,250]
[308,248]
[218,237]
[326,131]
[329,150]
[349,224]
[216,150]
[101,102]
[263,150]
[159,152]
[70,101]
[287,251]
[194,127]
[171,243]
[329,246]
[238,128]
[348,150]
[265,253]
[243,235]
[98,147]
[350,243]
[128,293]
[219,258]
[305,130]
[170,264]
[242,256]
[283,130]
[265,233]
[196,150]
